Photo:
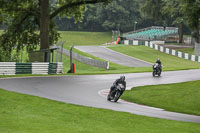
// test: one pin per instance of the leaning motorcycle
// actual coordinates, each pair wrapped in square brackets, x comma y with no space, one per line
[116,93]
[156,70]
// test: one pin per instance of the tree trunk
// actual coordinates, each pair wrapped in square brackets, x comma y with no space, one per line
[197,43]
[197,48]
[180,32]
[198,36]
[44,24]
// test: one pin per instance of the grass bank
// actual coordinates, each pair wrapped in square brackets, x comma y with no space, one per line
[85,38]
[186,50]
[21,113]
[179,97]
[148,54]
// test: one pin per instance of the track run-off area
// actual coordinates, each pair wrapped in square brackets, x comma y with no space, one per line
[91,90]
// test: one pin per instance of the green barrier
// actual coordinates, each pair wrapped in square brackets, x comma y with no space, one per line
[189,57]
[176,53]
[122,42]
[164,49]
[52,68]
[196,58]
[183,55]
[153,46]
[23,68]
[170,51]
[130,42]
[159,47]
[141,42]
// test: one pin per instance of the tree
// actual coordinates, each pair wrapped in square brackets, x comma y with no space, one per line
[191,11]
[173,10]
[152,9]
[26,17]
[117,15]
[120,15]
[180,11]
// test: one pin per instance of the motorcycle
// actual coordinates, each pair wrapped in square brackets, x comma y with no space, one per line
[116,93]
[156,70]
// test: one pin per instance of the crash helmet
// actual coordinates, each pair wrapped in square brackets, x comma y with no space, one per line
[122,78]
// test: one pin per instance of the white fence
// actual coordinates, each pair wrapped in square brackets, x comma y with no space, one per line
[7,68]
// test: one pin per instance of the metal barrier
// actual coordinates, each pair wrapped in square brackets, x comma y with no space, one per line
[173,52]
[7,68]
[87,60]
[12,68]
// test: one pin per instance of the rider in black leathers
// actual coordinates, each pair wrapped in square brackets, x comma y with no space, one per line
[159,63]
[121,80]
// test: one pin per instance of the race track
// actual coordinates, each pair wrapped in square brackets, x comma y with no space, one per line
[113,56]
[90,90]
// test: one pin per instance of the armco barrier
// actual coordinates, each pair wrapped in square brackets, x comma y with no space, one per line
[173,52]
[12,68]
[7,68]
[132,42]
[86,60]
[153,44]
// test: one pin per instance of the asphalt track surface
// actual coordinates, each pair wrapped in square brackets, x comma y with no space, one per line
[90,90]
[113,56]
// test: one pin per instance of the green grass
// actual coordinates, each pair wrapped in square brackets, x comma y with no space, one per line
[85,38]
[21,113]
[179,97]
[186,50]
[148,54]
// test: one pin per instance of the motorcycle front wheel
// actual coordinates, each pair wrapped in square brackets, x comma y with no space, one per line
[154,73]
[108,97]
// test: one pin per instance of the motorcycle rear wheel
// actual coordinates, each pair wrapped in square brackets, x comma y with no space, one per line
[117,96]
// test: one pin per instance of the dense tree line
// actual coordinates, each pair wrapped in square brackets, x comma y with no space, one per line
[122,15]
[118,15]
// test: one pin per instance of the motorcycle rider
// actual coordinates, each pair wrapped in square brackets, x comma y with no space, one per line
[159,64]
[121,80]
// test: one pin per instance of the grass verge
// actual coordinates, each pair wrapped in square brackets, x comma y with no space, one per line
[186,50]
[148,54]
[21,113]
[179,97]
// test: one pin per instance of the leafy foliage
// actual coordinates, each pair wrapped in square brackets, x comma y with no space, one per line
[119,14]
[180,11]
[24,19]
[191,11]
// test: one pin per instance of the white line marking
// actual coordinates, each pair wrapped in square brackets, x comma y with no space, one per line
[104,93]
